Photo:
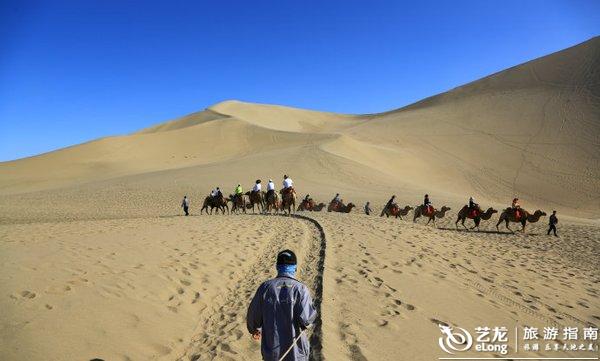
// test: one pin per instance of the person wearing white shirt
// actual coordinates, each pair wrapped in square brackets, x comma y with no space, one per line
[287,182]
[257,186]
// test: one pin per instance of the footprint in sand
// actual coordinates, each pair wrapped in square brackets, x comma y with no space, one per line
[438,322]
[28,294]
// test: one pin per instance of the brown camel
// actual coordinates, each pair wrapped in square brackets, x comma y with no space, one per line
[318,207]
[288,200]
[272,202]
[340,207]
[395,211]
[509,215]
[255,198]
[432,213]
[218,203]
[237,203]
[476,215]
[310,206]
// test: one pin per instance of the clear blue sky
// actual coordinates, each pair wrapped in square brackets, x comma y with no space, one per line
[72,71]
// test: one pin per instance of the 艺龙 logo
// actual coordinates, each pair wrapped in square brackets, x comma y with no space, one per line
[455,340]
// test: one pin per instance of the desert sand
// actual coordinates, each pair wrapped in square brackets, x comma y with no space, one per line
[97,261]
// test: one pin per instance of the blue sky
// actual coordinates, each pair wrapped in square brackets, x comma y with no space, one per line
[72,71]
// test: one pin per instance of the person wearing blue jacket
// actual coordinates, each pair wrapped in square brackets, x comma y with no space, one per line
[280,311]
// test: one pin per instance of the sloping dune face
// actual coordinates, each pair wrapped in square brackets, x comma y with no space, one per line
[532,131]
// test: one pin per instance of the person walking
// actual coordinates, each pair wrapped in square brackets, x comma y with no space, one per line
[368,209]
[185,204]
[552,224]
[279,313]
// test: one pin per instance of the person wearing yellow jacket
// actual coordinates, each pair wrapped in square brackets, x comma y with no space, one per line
[238,190]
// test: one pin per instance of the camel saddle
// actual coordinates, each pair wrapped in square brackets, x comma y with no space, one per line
[473,213]
[516,212]
[429,210]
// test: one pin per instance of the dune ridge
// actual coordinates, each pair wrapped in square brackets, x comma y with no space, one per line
[531,131]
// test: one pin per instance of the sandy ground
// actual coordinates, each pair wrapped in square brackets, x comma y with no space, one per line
[178,287]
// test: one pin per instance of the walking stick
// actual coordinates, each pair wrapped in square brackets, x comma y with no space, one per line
[292,346]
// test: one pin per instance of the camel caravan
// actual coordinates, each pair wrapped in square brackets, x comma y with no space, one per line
[285,200]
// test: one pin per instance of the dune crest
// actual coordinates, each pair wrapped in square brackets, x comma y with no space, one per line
[531,131]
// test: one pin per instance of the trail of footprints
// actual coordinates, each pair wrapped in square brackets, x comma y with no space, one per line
[220,330]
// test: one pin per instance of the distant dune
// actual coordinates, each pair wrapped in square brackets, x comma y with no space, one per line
[531,131]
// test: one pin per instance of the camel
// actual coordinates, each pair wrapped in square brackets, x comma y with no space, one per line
[340,207]
[288,201]
[432,215]
[318,207]
[218,203]
[237,203]
[396,211]
[508,215]
[475,215]
[255,198]
[272,202]
[310,206]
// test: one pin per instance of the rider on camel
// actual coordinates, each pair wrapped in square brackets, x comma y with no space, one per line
[257,187]
[427,203]
[270,188]
[516,208]
[473,207]
[288,184]
[336,199]
[388,205]
[216,193]
[238,192]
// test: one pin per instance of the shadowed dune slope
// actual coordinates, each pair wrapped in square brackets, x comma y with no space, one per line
[531,131]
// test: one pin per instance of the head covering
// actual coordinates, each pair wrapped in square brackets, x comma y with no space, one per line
[270,180]
[286,257]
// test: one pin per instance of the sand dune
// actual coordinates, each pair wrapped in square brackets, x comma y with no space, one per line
[91,244]
[530,131]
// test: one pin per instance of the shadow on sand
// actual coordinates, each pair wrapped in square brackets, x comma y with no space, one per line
[487,231]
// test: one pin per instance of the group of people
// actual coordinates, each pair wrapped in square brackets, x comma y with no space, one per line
[473,207]
[427,204]
[216,193]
